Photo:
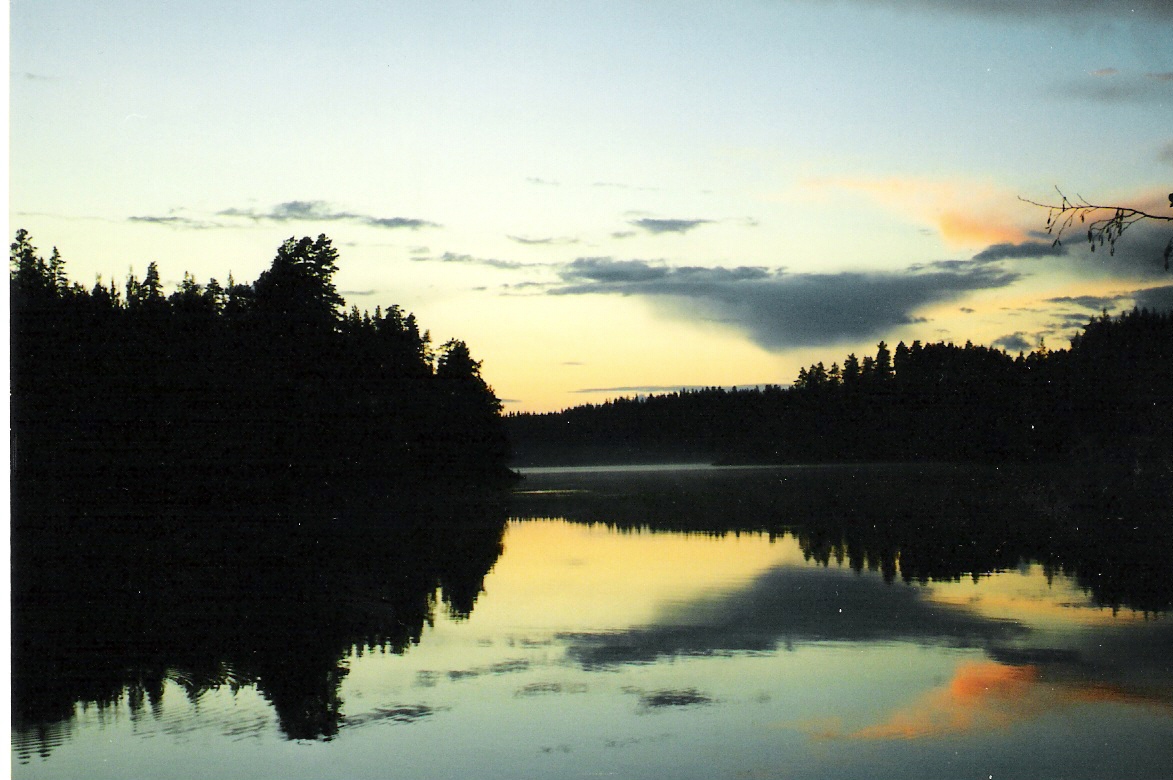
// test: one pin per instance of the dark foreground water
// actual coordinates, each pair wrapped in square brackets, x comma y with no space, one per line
[740,623]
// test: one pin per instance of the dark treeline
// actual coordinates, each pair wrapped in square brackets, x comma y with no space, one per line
[233,485]
[227,391]
[908,521]
[1105,397]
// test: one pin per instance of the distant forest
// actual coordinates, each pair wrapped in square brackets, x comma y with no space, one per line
[1107,398]
[219,392]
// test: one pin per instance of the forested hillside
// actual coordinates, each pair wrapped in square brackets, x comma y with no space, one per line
[221,392]
[1105,398]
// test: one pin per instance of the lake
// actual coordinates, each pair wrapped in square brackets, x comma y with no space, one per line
[806,622]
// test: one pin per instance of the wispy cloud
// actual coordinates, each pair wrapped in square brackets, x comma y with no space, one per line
[452,257]
[657,226]
[547,241]
[780,310]
[321,211]
[1112,86]
[175,221]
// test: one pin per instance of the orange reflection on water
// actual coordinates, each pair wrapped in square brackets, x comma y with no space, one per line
[982,695]
[987,695]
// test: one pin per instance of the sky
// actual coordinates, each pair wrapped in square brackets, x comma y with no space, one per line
[613,198]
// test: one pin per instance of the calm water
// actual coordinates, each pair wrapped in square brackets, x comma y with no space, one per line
[614,635]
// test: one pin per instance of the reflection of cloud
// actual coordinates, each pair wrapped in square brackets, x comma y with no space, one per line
[788,605]
[405,713]
[670,697]
[990,695]
[780,310]
[982,696]
[502,667]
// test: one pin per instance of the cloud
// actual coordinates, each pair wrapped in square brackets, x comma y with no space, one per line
[1093,302]
[1111,86]
[1015,342]
[452,257]
[1025,249]
[1155,298]
[779,310]
[620,186]
[1166,153]
[542,182]
[543,241]
[321,211]
[657,226]
[174,221]
[964,213]
[1093,11]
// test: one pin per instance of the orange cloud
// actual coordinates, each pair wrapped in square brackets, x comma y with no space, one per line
[965,213]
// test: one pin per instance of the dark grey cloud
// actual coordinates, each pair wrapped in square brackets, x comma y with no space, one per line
[1025,250]
[1092,302]
[1015,342]
[658,226]
[452,257]
[321,211]
[1155,298]
[787,606]
[1139,252]
[779,310]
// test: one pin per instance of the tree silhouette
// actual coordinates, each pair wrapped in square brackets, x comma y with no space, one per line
[1105,223]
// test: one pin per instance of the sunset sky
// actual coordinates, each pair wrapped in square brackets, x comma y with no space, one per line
[610,198]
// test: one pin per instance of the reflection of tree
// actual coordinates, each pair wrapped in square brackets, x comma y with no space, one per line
[919,523]
[221,598]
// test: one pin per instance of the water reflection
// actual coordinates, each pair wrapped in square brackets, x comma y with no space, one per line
[120,609]
[776,632]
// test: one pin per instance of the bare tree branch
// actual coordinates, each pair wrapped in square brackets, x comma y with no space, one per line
[1105,224]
